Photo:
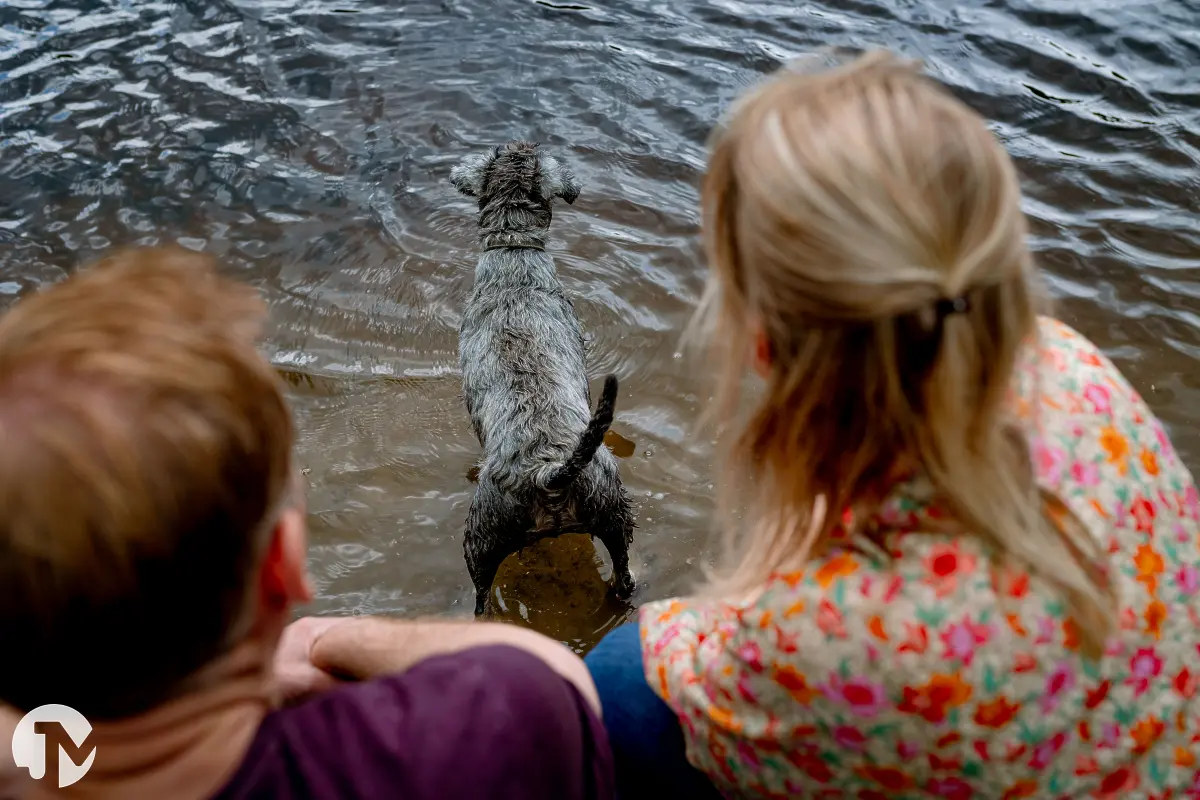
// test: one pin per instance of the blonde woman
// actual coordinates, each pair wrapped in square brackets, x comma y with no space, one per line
[966,557]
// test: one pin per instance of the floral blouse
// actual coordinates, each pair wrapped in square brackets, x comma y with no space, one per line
[923,676]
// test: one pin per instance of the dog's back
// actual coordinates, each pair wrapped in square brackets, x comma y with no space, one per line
[523,361]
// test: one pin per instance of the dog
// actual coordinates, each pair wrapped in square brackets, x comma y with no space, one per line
[545,470]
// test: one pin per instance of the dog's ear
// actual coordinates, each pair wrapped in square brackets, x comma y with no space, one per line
[467,175]
[557,180]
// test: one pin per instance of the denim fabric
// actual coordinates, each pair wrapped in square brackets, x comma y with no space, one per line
[644,733]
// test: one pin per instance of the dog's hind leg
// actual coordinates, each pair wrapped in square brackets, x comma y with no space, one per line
[616,535]
[608,514]
[496,524]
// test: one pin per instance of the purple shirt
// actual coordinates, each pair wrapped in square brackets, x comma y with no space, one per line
[490,722]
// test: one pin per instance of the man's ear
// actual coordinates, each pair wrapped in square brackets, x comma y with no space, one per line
[557,180]
[283,577]
[467,175]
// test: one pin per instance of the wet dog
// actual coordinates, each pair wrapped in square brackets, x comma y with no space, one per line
[545,470]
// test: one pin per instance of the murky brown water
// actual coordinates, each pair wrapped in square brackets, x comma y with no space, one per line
[308,142]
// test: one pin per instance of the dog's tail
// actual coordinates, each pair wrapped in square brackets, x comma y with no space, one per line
[591,440]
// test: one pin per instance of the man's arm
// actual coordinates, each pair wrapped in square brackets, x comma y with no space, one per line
[485,723]
[361,648]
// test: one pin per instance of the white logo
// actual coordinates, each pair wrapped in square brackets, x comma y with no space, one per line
[34,740]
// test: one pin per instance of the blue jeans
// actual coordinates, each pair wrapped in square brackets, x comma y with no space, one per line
[646,739]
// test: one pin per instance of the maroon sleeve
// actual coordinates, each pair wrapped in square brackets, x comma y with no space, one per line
[488,723]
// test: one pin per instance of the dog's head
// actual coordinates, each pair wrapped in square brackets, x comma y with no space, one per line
[516,171]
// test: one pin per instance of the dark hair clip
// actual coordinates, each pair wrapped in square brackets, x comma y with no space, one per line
[952,305]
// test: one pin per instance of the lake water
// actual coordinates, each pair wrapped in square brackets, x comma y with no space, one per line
[308,142]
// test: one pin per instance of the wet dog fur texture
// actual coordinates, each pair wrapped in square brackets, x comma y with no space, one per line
[545,470]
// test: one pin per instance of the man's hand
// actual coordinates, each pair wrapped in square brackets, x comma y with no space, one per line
[295,676]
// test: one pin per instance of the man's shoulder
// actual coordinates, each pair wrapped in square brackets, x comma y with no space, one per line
[489,722]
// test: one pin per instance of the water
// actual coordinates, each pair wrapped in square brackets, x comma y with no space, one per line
[307,142]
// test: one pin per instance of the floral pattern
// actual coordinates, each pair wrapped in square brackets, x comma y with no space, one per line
[930,674]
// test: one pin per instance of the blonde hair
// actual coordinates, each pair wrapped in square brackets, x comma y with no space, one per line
[146,446]
[841,209]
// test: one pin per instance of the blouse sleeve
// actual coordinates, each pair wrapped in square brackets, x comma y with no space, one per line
[682,641]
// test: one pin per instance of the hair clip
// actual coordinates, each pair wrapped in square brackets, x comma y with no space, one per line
[952,305]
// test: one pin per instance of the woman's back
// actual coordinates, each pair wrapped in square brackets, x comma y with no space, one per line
[932,671]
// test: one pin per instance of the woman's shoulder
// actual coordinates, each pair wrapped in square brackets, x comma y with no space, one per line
[1091,432]
[1061,361]
[1064,374]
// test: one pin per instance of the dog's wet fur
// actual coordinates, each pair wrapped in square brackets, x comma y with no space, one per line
[545,470]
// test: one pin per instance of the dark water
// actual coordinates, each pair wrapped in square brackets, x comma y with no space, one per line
[308,143]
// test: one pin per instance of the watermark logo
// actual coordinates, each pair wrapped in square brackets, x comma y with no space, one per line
[53,736]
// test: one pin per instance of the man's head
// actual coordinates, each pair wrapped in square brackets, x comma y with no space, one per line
[149,517]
